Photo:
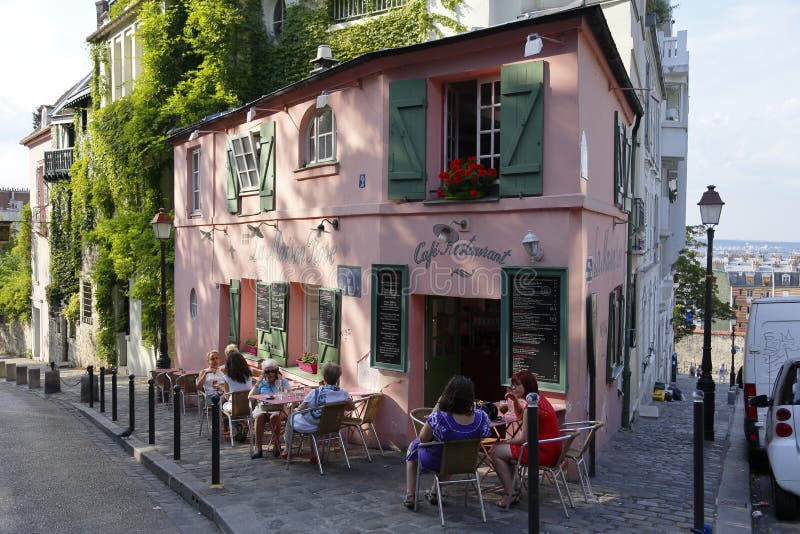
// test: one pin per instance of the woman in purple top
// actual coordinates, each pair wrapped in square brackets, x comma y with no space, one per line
[454,417]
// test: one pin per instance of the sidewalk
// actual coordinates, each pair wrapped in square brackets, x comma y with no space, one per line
[643,481]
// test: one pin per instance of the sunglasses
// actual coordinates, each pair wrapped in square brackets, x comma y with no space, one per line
[270,370]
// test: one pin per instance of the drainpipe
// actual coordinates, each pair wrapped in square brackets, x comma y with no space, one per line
[626,366]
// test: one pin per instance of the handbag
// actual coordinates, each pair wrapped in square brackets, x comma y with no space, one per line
[489,407]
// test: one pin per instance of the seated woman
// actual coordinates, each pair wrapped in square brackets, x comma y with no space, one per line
[237,376]
[504,455]
[211,379]
[454,417]
[271,382]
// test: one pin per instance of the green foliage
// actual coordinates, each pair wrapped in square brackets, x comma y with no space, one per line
[72,310]
[15,273]
[690,273]
[661,9]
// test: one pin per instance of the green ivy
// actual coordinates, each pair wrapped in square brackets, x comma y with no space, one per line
[15,273]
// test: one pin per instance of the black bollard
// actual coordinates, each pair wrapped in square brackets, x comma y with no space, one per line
[698,462]
[90,371]
[151,411]
[114,394]
[533,463]
[102,390]
[176,423]
[215,441]
[131,405]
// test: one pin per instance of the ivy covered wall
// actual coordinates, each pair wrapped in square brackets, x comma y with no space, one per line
[200,57]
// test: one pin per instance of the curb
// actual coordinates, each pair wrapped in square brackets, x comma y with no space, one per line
[733,498]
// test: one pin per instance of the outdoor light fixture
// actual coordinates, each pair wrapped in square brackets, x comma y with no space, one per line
[733,351]
[710,211]
[255,230]
[445,233]
[196,133]
[333,222]
[251,113]
[461,223]
[535,42]
[162,227]
[532,246]
[322,99]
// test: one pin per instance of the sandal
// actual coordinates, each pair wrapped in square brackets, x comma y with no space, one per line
[408,502]
[502,502]
[431,497]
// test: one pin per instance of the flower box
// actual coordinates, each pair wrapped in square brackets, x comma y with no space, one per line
[250,349]
[308,367]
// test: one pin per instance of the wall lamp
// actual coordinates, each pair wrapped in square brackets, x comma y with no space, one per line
[532,246]
[209,234]
[535,42]
[196,133]
[255,230]
[333,222]
[322,99]
[251,113]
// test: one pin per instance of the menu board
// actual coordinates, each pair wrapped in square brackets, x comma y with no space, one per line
[277,305]
[536,325]
[262,306]
[326,326]
[388,345]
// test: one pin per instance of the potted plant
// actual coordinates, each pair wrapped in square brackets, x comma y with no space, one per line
[308,362]
[466,180]
[251,346]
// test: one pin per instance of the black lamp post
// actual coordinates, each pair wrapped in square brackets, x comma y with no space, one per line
[162,226]
[710,210]
[733,349]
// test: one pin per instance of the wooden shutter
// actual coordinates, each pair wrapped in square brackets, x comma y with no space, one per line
[522,128]
[611,344]
[407,139]
[266,166]
[234,312]
[233,180]
[621,160]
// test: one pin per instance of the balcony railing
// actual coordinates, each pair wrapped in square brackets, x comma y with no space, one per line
[344,10]
[57,164]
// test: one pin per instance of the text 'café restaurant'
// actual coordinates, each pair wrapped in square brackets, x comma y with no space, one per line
[306,224]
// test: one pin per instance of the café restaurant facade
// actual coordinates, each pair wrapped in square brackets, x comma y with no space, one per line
[314,220]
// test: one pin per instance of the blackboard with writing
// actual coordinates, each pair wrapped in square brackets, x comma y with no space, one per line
[262,306]
[277,305]
[326,326]
[388,346]
[535,331]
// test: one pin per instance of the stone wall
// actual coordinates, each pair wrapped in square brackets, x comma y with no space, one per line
[15,339]
[690,350]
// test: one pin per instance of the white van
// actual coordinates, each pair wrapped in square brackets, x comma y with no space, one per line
[773,334]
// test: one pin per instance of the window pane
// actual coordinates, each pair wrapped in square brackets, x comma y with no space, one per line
[312,152]
[326,122]
[486,147]
[486,94]
[497,92]
[487,121]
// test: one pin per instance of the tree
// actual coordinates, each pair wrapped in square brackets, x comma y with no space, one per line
[690,295]
[15,273]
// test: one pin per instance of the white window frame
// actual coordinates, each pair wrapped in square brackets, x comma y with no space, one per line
[314,134]
[485,155]
[241,156]
[194,180]
[86,307]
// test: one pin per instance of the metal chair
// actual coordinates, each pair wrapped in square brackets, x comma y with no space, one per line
[552,472]
[576,454]
[163,383]
[367,413]
[328,430]
[239,410]
[459,457]
[188,384]
[418,417]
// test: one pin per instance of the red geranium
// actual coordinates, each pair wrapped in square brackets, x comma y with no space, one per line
[466,179]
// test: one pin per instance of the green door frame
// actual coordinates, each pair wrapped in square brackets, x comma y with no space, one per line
[442,351]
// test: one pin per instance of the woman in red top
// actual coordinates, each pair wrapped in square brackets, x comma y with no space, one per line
[504,455]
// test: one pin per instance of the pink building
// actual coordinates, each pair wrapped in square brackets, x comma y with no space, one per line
[310,220]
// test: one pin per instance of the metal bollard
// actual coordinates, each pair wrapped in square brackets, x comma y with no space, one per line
[698,462]
[215,483]
[131,399]
[176,422]
[114,394]
[90,372]
[102,390]
[533,463]
[151,411]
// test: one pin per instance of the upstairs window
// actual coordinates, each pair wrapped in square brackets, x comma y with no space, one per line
[473,122]
[277,17]
[194,170]
[245,154]
[86,302]
[321,139]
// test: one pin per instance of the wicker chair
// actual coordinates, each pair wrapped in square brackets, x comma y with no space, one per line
[418,417]
[367,407]
[188,384]
[576,454]
[239,410]
[328,430]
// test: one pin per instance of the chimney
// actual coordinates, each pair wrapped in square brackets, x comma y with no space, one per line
[101,7]
[324,59]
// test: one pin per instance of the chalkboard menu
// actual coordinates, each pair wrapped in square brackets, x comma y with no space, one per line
[389,317]
[535,319]
[326,326]
[262,306]
[277,305]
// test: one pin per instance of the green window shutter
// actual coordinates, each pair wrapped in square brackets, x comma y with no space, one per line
[234,312]
[522,128]
[611,343]
[407,139]
[233,181]
[266,166]
[617,161]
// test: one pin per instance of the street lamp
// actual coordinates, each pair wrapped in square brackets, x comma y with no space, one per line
[733,349]
[710,210]
[162,226]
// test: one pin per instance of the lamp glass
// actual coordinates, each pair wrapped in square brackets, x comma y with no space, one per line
[162,224]
[710,207]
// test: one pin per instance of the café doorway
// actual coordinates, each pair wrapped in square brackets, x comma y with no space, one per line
[462,336]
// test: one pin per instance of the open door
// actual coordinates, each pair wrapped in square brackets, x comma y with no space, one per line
[443,344]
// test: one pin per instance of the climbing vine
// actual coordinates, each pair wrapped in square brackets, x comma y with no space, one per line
[15,273]
[200,57]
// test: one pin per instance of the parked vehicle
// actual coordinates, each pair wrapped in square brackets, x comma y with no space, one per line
[773,335]
[781,438]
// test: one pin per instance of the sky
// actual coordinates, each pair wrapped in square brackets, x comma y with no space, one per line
[744,109]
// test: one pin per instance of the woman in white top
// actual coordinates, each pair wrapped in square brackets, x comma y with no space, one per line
[237,376]
[211,379]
